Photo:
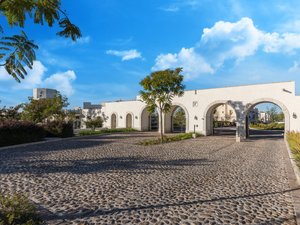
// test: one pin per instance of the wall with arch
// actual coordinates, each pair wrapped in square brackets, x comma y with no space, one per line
[198,105]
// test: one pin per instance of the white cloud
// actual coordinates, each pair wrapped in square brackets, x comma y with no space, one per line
[295,67]
[225,41]
[37,78]
[191,62]
[178,5]
[61,82]
[125,55]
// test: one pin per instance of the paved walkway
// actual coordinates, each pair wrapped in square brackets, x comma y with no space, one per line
[111,180]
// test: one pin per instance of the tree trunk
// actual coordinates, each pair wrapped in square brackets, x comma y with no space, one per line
[161,125]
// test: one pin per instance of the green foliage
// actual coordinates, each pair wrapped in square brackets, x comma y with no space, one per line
[166,139]
[59,128]
[268,126]
[106,131]
[14,132]
[160,88]
[38,111]
[18,51]
[94,123]
[274,115]
[17,209]
[11,113]
[293,139]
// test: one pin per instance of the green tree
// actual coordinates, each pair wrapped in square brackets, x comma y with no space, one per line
[160,88]
[95,122]
[18,51]
[11,113]
[38,111]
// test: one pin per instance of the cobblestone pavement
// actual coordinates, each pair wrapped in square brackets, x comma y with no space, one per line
[111,180]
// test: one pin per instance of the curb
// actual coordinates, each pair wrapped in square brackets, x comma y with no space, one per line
[293,174]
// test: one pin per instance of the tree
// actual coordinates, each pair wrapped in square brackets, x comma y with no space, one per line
[11,113]
[160,88]
[41,110]
[95,122]
[18,51]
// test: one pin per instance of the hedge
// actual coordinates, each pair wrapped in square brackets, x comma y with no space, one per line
[59,128]
[14,132]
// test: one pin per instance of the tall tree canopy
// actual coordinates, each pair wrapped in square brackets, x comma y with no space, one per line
[18,51]
[160,88]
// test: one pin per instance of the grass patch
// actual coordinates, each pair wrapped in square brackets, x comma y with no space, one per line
[17,209]
[167,139]
[269,126]
[105,131]
[293,139]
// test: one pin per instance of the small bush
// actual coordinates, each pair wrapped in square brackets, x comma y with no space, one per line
[59,128]
[14,132]
[224,124]
[293,139]
[17,209]
[167,139]
[105,131]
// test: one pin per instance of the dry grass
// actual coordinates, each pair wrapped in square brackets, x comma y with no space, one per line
[294,143]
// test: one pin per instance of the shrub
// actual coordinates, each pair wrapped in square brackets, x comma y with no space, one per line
[17,209]
[105,131]
[268,126]
[224,124]
[94,123]
[14,132]
[170,138]
[58,128]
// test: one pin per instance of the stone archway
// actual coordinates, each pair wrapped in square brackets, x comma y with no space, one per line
[168,118]
[113,121]
[208,126]
[129,120]
[256,102]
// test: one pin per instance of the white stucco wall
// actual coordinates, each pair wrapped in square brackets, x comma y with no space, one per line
[240,97]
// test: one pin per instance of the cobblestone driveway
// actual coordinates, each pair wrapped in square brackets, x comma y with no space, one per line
[111,180]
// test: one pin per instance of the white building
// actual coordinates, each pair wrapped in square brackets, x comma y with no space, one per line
[89,111]
[224,112]
[264,117]
[199,106]
[42,93]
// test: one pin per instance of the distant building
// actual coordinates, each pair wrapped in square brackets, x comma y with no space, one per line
[264,117]
[224,112]
[89,111]
[43,93]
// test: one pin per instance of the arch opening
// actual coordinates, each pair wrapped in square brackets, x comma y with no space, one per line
[176,120]
[266,119]
[149,121]
[113,121]
[129,120]
[220,119]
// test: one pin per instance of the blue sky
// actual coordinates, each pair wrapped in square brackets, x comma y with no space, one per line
[218,43]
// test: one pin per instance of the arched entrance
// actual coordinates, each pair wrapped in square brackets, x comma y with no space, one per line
[149,121]
[176,120]
[220,118]
[129,120]
[272,120]
[113,121]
